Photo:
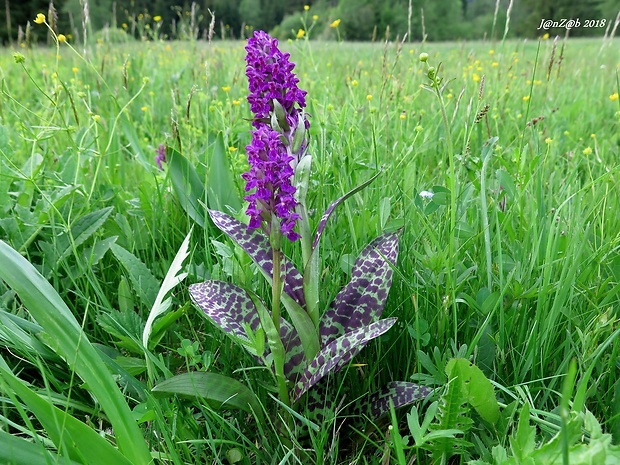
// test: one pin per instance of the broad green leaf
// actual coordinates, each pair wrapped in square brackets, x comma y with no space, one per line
[72,437]
[221,190]
[143,281]
[475,386]
[217,390]
[188,187]
[18,451]
[64,332]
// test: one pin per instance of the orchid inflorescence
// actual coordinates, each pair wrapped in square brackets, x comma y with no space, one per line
[303,348]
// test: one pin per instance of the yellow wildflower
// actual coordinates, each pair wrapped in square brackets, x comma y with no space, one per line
[62,38]
[613,97]
[494,64]
[301,33]
[593,136]
[236,102]
[587,151]
[475,77]
[315,17]
[40,19]
[491,52]
[354,83]
[226,88]
[548,140]
[546,36]
[157,18]
[144,108]
[232,149]
[336,23]
[403,116]
[526,98]
[75,70]
[306,7]
[369,97]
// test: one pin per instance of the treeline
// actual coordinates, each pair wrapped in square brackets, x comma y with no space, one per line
[359,19]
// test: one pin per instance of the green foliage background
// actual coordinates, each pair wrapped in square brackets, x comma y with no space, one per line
[361,19]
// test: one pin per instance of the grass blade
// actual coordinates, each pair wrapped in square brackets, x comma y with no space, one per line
[67,339]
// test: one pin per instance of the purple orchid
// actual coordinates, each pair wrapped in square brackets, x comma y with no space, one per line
[161,156]
[278,140]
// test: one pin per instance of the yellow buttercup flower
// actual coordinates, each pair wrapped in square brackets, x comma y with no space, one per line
[526,98]
[336,23]
[301,33]
[315,17]
[548,140]
[157,18]
[354,83]
[232,149]
[587,151]
[306,7]
[62,38]
[546,36]
[40,19]
[75,70]
[369,97]
[226,88]
[613,97]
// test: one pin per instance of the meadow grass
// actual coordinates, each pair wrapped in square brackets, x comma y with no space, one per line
[519,271]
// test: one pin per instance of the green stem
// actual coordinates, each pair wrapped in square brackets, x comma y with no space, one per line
[452,186]
[276,288]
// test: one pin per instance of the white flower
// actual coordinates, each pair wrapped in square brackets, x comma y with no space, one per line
[426,195]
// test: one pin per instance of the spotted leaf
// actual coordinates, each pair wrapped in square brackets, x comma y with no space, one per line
[401,393]
[337,353]
[256,245]
[362,300]
[231,308]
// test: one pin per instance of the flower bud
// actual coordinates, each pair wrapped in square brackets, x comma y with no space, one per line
[423,57]
[280,113]
[431,72]
[300,133]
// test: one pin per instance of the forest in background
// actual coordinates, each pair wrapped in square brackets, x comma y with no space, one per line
[361,20]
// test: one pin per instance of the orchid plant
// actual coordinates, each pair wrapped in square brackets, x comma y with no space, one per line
[302,349]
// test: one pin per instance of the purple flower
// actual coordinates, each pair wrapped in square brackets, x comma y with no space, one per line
[270,76]
[270,175]
[161,155]
[279,137]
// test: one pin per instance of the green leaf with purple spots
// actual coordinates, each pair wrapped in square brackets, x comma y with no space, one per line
[401,393]
[311,271]
[337,353]
[257,246]
[363,298]
[231,308]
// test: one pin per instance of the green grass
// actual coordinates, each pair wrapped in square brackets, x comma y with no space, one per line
[526,281]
